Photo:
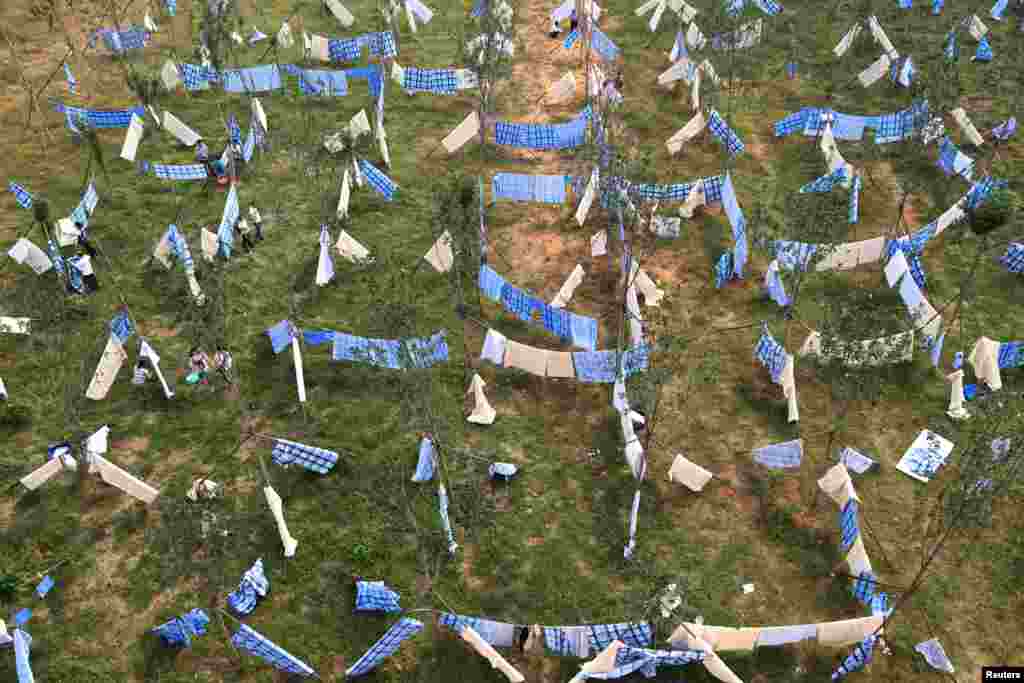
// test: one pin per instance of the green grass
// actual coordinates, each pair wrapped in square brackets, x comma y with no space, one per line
[548,547]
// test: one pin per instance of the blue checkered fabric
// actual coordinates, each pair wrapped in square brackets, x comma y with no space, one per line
[45,586]
[226,230]
[253,586]
[952,48]
[864,588]
[249,148]
[385,647]
[344,50]
[281,335]
[180,172]
[725,135]
[75,274]
[54,253]
[374,596]
[735,7]
[557,642]
[1004,131]
[857,659]
[491,284]
[116,118]
[889,129]
[906,4]
[947,154]
[320,82]
[571,39]
[133,38]
[981,190]
[601,367]
[377,180]
[556,321]
[21,195]
[603,45]
[924,462]
[770,353]
[521,187]
[769,7]
[425,462]
[650,192]
[446,523]
[937,6]
[437,81]
[312,458]
[630,634]
[372,75]
[179,631]
[919,238]
[86,206]
[723,270]
[180,248]
[912,250]
[879,604]
[194,76]
[998,9]
[172,7]
[713,188]
[382,44]
[72,83]
[848,526]
[793,123]
[1010,354]
[425,353]
[1013,259]
[478,8]
[234,130]
[22,651]
[121,327]
[630,660]
[543,136]
[260,646]
[793,255]
[854,212]
[583,331]
[527,308]
[776,288]
[738,222]
[381,352]
[826,182]
[780,456]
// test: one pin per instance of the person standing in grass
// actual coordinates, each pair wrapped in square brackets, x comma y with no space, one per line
[257,222]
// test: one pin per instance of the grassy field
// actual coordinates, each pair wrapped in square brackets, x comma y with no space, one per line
[548,547]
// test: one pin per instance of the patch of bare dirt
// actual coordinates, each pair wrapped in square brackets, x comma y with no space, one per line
[138,444]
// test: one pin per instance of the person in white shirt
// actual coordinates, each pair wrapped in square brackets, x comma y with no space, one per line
[257,222]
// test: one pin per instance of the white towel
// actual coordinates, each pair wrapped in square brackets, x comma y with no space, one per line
[169,75]
[149,24]
[257,110]
[526,358]
[676,72]
[879,35]
[852,254]
[421,11]
[106,370]
[440,254]
[692,129]
[43,474]
[132,137]
[483,413]
[485,650]
[683,9]
[956,408]
[340,13]
[208,244]
[656,17]
[462,133]
[147,351]
[857,560]
[568,287]
[695,91]
[560,365]
[984,359]
[788,382]
[319,48]
[324,265]
[977,27]
[877,70]
[68,234]
[599,243]
[359,124]
[689,474]
[950,216]
[344,195]
[645,285]
[25,251]
[562,90]
[896,268]
[972,134]
[494,347]
[847,41]
[588,198]
[9,325]
[602,663]
[277,509]
[115,476]
[837,485]
[848,631]
[350,249]
[285,39]
[694,38]
[184,134]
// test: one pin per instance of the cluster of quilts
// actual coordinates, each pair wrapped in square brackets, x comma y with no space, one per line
[779,364]
[585,366]
[544,136]
[888,128]
[269,77]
